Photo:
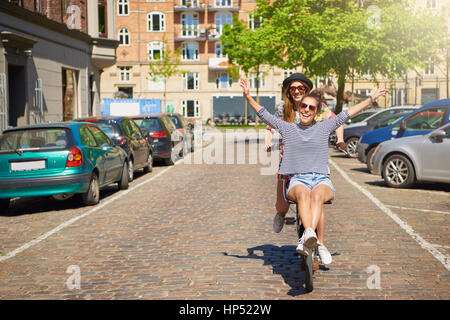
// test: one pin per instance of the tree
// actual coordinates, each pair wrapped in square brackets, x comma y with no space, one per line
[379,37]
[164,64]
[249,49]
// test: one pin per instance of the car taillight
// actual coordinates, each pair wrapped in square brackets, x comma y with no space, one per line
[158,134]
[75,157]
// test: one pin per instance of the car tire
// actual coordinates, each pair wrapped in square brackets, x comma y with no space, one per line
[130,170]
[398,172]
[4,204]
[369,160]
[149,167]
[92,196]
[351,146]
[124,178]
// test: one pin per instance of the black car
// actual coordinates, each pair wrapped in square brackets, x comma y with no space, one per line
[165,139]
[126,133]
[185,128]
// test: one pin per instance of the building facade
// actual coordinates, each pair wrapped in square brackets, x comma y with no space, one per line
[52,53]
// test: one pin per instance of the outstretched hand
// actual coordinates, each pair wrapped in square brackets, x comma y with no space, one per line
[378,93]
[244,86]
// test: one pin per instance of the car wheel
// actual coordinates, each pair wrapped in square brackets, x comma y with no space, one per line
[92,196]
[130,170]
[398,172]
[351,147]
[369,160]
[149,167]
[4,204]
[124,179]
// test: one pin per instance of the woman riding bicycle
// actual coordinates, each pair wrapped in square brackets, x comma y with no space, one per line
[305,157]
[294,89]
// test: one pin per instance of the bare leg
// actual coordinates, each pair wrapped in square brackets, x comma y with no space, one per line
[281,205]
[321,227]
[319,195]
[302,195]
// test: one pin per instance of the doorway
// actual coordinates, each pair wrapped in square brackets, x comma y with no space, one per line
[16,93]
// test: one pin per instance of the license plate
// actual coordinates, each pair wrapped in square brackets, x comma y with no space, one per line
[28,165]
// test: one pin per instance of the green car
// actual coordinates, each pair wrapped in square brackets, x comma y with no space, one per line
[59,160]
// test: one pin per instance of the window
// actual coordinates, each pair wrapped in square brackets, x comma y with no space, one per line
[429,67]
[426,120]
[431,4]
[221,19]
[190,81]
[122,7]
[253,83]
[189,51]
[252,22]
[287,73]
[223,80]
[156,83]
[190,108]
[87,137]
[125,73]
[190,3]
[223,3]
[125,92]
[124,37]
[218,49]
[189,23]
[363,92]
[99,136]
[102,18]
[155,21]
[155,51]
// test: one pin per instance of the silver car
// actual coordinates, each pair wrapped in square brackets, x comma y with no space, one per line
[401,162]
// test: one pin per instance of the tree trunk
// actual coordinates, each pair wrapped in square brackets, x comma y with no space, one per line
[340,92]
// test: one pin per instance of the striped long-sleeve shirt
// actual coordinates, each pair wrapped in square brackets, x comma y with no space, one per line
[305,147]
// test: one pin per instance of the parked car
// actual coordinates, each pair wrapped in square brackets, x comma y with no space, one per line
[352,134]
[163,136]
[401,162]
[352,141]
[361,116]
[127,134]
[59,160]
[420,122]
[186,129]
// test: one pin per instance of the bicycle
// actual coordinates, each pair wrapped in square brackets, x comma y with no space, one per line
[310,263]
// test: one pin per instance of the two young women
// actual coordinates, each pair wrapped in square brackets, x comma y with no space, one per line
[294,89]
[305,157]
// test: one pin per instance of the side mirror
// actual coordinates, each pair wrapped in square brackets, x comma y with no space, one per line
[117,141]
[438,135]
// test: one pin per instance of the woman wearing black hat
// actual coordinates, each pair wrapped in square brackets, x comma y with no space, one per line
[294,88]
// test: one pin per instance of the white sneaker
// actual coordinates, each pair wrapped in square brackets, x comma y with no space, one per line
[278,223]
[302,249]
[324,254]
[311,240]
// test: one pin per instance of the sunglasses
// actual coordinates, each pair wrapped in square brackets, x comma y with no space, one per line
[311,107]
[300,89]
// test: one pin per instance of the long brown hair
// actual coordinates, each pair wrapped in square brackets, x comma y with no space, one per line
[288,112]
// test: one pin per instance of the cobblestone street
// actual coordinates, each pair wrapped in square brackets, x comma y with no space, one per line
[199,231]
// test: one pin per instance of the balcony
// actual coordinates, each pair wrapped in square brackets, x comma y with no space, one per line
[189,5]
[223,5]
[190,32]
[103,52]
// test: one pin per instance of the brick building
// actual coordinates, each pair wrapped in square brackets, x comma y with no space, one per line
[52,53]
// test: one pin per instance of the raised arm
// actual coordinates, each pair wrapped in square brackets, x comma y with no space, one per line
[246,92]
[365,103]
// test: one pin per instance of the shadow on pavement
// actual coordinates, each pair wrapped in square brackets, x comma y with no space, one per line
[284,260]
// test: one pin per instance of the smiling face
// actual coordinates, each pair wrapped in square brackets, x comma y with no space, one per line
[308,110]
[297,90]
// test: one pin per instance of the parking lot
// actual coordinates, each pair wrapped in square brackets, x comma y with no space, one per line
[204,231]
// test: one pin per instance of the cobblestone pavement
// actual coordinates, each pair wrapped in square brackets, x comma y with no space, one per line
[199,231]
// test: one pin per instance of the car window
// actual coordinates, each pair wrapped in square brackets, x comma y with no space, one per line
[151,124]
[361,116]
[99,136]
[37,139]
[126,127]
[136,131]
[176,122]
[108,128]
[447,132]
[86,136]
[169,124]
[426,120]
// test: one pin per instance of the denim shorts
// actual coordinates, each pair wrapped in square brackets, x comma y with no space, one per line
[310,180]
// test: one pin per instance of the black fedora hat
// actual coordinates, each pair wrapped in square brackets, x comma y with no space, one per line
[297,77]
